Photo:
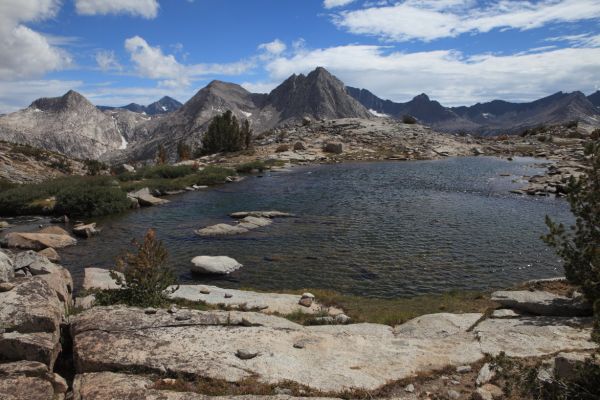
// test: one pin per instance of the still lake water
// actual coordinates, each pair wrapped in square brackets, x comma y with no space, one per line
[384,229]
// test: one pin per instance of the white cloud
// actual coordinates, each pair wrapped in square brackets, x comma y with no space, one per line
[25,53]
[260,87]
[141,8]
[448,75]
[429,20]
[275,47]
[580,40]
[18,94]
[336,3]
[151,62]
[107,61]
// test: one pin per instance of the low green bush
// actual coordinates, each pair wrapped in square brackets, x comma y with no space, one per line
[258,165]
[208,176]
[158,172]
[92,201]
[95,191]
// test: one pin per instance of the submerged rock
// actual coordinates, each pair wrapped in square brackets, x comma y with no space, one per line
[260,214]
[221,230]
[214,265]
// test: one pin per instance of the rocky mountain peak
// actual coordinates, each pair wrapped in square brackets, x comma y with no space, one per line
[69,101]
[423,98]
[317,95]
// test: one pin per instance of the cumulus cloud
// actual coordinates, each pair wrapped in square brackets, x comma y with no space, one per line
[447,75]
[151,62]
[336,3]
[140,8]
[26,53]
[428,20]
[17,94]
[275,47]
[107,61]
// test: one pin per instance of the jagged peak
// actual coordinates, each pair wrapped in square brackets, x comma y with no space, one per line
[71,99]
[421,97]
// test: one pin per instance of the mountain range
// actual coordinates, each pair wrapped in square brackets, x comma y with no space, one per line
[71,125]
[494,117]
[163,106]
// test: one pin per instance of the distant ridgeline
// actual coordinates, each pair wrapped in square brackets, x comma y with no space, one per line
[494,117]
[73,126]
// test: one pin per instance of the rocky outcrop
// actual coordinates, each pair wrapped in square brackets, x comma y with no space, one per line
[245,300]
[33,310]
[37,241]
[30,380]
[200,344]
[145,199]
[107,385]
[260,214]
[543,303]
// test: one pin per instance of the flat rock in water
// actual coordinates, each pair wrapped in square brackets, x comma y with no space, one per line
[543,303]
[276,302]
[86,230]
[260,214]
[99,279]
[221,230]
[146,199]
[254,222]
[55,230]
[38,241]
[214,265]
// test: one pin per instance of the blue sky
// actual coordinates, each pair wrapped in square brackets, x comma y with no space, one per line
[457,51]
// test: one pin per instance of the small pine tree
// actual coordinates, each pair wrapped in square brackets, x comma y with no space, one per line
[225,135]
[146,276]
[246,133]
[579,247]
[161,156]
[184,151]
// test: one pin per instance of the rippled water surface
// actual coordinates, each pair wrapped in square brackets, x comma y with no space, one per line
[375,229]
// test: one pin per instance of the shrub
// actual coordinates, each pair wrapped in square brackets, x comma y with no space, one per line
[146,276]
[94,167]
[211,175]
[225,135]
[571,124]
[184,151]
[30,151]
[595,135]
[62,164]
[282,147]
[161,155]
[258,165]
[32,198]
[579,247]
[409,119]
[94,201]
[159,171]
